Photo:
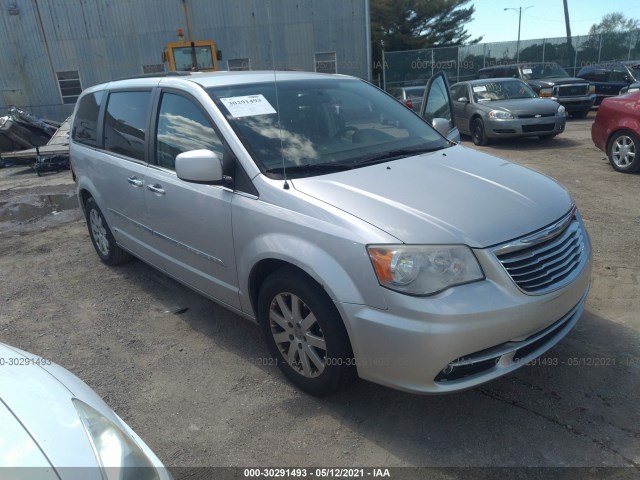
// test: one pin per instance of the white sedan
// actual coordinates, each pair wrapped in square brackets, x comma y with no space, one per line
[54,426]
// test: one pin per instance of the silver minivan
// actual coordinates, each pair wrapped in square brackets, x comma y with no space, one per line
[362,240]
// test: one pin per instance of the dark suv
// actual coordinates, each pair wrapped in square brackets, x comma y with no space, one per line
[549,80]
[612,78]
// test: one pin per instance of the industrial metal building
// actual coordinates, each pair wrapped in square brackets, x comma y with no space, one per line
[52,49]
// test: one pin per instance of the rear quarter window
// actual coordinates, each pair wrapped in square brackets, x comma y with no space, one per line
[85,122]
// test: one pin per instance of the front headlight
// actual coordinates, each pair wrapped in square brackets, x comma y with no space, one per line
[118,455]
[500,114]
[592,88]
[423,269]
[561,111]
[546,92]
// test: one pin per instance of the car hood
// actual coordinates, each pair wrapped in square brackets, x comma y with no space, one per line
[451,196]
[550,82]
[42,406]
[524,106]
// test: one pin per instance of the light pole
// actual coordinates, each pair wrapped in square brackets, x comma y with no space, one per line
[519,10]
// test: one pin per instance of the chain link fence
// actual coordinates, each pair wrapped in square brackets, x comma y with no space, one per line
[413,67]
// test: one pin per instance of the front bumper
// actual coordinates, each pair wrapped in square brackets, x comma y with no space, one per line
[525,127]
[483,329]
[575,104]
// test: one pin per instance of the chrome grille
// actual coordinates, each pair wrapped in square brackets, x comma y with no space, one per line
[538,115]
[572,90]
[548,259]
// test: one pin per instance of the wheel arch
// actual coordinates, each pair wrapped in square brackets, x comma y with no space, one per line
[267,266]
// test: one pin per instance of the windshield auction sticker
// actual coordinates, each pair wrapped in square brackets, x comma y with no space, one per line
[247,106]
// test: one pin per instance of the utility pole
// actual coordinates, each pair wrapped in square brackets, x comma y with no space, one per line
[519,10]
[566,22]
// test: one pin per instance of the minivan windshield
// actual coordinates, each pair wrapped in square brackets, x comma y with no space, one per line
[543,70]
[315,126]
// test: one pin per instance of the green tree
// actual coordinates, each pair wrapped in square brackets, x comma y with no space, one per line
[610,39]
[416,24]
[613,23]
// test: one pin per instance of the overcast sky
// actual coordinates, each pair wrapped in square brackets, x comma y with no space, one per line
[545,18]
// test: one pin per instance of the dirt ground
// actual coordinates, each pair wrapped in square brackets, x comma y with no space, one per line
[195,387]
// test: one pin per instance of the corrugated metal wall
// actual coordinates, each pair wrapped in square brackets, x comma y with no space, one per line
[107,39]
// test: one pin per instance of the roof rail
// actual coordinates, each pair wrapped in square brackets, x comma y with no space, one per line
[156,74]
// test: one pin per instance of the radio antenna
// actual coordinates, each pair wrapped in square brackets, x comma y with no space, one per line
[275,85]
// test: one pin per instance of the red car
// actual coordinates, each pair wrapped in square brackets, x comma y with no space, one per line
[616,131]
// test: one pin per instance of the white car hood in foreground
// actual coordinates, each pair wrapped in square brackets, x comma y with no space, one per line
[451,196]
[42,426]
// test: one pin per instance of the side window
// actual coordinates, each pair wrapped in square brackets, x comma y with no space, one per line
[511,72]
[437,101]
[458,91]
[619,74]
[125,123]
[182,127]
[85,123]
[599,75]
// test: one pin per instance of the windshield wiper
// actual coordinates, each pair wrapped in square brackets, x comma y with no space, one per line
[312,167]
[394,154]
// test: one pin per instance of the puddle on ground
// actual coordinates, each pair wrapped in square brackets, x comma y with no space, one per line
[32,207]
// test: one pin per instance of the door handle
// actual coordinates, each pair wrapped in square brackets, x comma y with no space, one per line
[134,181]
[156,189]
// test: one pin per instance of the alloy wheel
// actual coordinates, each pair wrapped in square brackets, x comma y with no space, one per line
[623,151]
[99,232]
[298,335]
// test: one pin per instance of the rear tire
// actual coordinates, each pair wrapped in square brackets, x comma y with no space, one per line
[304,333]
[478,134]
[101,236]
[623,151]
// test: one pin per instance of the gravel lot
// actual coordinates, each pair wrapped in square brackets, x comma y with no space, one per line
[195,385]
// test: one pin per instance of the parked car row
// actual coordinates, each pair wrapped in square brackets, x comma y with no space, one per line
[550,80]
[501,105]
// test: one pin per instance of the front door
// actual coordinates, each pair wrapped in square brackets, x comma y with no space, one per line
[192,235]
[437,106]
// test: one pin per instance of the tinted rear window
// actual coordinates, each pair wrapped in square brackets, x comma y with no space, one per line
[85,123]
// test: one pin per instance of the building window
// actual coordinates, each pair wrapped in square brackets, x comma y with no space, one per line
[239,64]
[153,68]
[326,62]
[70,87]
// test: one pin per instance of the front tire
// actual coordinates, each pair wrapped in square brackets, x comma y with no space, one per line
[478,134]
[304,333]
[623,152]
[101,236]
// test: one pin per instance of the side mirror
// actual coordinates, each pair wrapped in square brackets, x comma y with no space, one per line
[463,100]
[441,125]
[200,166]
